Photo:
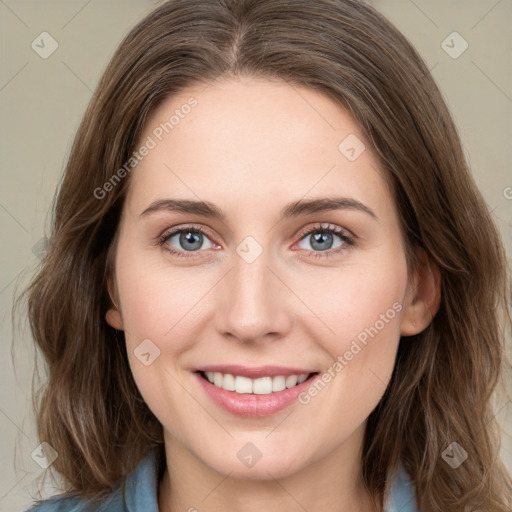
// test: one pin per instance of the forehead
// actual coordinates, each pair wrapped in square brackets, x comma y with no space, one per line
[254,141]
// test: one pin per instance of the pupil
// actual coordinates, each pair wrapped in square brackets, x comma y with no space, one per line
[191,238]
[320,238]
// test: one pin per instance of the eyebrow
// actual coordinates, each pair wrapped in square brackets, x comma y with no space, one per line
[294,209]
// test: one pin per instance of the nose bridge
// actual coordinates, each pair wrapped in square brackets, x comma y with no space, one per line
[253,302]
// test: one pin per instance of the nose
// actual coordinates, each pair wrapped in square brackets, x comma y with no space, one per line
[254,304]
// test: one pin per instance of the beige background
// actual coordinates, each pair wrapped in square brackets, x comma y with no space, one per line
[42,101]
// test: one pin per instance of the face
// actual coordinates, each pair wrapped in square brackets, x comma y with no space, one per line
[256,283]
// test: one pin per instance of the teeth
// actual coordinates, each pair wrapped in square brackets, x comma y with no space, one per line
[228,382]
[261,386]
[217,379]
[302,378]
[291,381]
[242,384]
[278,383]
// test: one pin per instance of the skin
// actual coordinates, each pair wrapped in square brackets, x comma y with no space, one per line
[251,146]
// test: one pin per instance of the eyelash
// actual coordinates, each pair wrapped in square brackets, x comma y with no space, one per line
[348,241]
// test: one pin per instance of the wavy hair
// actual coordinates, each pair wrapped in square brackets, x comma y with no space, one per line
[444,379]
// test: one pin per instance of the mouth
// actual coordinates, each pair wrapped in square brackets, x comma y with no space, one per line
[265,385]
[254,392]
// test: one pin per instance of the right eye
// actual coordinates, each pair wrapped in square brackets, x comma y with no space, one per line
[182,240]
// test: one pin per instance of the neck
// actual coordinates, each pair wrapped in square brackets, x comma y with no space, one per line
[333,482]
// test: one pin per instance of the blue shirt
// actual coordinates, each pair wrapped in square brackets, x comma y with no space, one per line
[139,493]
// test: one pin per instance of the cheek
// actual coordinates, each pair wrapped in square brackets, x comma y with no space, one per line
[162,312]
[158,303]
[361,306]
[362,310]
[354,297]
[160,309]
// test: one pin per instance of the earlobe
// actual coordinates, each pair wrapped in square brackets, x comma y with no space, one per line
[113,314]
[114,319]
[423,297]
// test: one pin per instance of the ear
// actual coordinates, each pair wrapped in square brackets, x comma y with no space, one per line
[423,296]
[113,315]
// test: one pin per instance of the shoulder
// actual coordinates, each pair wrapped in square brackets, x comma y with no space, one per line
[138,491]
[110,503]
[401,497]
[60,504]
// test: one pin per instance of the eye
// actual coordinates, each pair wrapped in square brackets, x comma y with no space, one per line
[322,240]
[188,239]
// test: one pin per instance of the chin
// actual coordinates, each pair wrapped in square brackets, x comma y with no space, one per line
[247,462]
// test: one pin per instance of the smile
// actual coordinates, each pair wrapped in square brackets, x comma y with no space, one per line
[261,386]
[254,392]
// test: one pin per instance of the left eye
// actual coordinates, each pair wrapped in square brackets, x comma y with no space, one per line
[322,240]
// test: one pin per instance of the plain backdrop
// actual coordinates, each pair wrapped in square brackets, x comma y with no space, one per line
[43,99]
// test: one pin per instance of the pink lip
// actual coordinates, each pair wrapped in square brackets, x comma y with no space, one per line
[252,405]
[255,372]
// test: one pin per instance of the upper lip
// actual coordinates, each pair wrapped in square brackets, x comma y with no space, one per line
[256,371]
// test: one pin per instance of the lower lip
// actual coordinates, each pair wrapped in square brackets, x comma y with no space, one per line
[251,405]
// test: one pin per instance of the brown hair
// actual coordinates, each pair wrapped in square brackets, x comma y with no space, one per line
[444,378]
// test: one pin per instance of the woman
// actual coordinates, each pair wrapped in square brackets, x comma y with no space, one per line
[272,281]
